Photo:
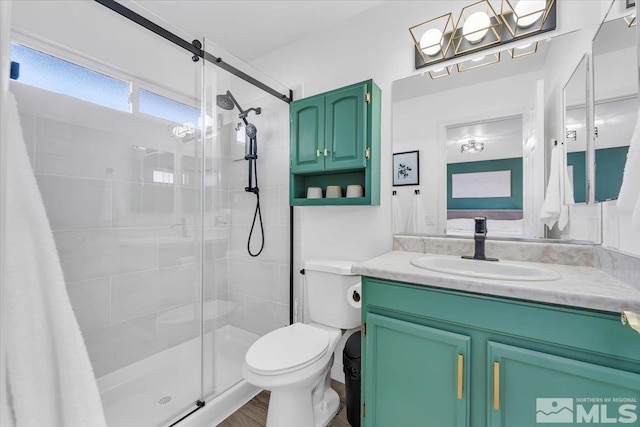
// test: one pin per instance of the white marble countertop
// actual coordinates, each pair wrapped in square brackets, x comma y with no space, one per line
[583,287]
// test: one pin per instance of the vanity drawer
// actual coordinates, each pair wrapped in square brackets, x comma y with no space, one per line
[589,331]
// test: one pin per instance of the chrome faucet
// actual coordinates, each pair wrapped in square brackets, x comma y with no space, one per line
[479,236]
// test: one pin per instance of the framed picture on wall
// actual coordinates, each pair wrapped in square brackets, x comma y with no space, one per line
[406,168]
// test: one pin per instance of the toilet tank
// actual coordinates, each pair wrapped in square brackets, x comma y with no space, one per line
[328,282]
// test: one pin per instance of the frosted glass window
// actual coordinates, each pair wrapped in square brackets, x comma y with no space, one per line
[56,75]
[481,185]
[166,108]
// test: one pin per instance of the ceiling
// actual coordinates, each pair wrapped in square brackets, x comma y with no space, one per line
[250,29]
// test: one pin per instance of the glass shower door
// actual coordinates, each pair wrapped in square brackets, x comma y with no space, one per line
[114,138]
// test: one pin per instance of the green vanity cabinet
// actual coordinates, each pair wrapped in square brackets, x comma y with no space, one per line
[529,387]
[430,362]
[335,140]
[523,364]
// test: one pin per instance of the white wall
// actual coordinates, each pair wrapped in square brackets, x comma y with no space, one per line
[375,44]
[419,124]
[5,23]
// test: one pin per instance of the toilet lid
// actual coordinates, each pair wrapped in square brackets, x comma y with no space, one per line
[287,349]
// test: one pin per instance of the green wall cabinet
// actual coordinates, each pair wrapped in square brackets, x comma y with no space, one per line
[433,357]
[335,140]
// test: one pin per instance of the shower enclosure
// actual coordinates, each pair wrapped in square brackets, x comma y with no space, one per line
[143,180]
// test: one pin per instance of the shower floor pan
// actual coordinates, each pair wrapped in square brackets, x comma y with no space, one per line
[156,390]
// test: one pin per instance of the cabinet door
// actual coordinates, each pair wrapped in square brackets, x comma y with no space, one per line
[307,135]
[529,388]
[346,128]
[415,375]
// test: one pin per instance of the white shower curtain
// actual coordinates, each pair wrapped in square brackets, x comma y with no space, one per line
[50,381]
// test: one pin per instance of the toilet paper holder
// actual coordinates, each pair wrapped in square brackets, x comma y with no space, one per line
[355,296]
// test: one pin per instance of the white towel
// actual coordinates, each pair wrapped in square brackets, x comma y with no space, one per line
[558,196]
[415,223]
[629,196]
[49,375]
[395,207]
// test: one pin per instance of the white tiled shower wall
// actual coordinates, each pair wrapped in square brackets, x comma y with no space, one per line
[126,262]
[132,268]
[259,287]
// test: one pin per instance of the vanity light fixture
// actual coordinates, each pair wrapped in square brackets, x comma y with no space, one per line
[478,61]
[433,37]
[523,50]
[524,17]
[572,135]
[630,20]
[472,147]
[478,26]
[180,131]
[440,72]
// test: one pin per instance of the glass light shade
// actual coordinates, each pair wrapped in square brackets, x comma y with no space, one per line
[525,16]
[472,147]
[433,38]
[478,26]
[431,41]
[440,72]
[523,50]
[529,12]
[478,61]
[630,20]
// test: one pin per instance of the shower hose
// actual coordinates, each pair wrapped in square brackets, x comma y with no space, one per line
[257,215]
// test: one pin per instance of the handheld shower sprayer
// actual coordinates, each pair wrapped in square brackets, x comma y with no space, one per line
[227,102]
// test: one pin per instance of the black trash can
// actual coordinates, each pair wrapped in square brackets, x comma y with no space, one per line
[351,368]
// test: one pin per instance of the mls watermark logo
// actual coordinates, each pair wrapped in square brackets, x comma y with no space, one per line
[587,410]
[554,410]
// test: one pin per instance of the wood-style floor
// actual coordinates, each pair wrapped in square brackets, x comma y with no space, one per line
[254,413]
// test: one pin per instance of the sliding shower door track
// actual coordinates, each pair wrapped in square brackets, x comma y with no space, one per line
[194,48]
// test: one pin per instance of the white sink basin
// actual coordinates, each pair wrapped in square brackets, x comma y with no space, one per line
[498,270]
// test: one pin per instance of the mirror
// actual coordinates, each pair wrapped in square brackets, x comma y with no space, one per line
[616,103]
[484,176]
[500,106]
[575,138]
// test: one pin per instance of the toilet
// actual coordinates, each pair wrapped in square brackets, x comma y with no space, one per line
[294,362]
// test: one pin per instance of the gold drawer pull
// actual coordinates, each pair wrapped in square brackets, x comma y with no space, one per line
[496,386]
[460,375]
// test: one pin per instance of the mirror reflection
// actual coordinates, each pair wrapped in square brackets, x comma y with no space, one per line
[484,177]
[616,103]
[575,138]
[497,112]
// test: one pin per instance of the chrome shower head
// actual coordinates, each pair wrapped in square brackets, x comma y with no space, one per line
[252,131]
[224,101]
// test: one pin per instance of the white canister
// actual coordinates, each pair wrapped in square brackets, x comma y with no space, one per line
[354,190]
[334,191]
[314,193]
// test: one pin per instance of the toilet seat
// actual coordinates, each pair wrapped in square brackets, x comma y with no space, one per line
[287,349]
